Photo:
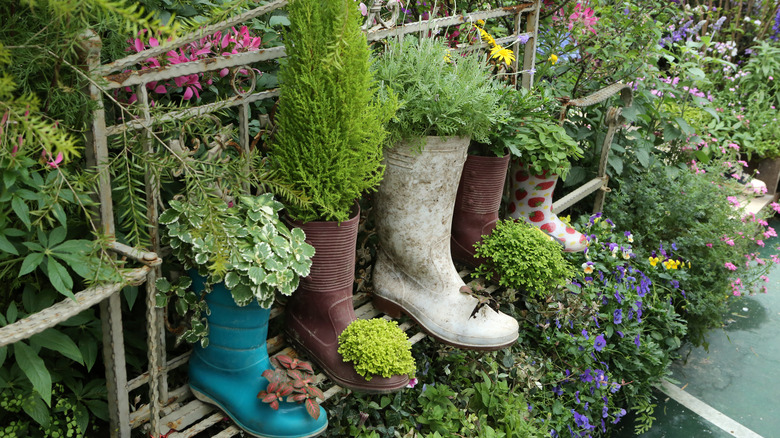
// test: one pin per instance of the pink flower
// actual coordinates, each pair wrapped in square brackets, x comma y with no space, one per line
[733,200]
[709,245]
[584,17]
[760,243]
[774,258]
[765,278]
[55,163]
[730,266]
[775,206]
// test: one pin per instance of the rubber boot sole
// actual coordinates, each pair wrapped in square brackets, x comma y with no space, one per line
[206,399]
[394,310]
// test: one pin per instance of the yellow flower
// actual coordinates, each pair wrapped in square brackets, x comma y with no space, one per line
[448,57]
[486,37]
[654,261]
[480,22]
[587,268]
[502,54]
[553,58]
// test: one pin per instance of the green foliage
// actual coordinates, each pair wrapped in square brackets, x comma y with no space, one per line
[42,380]
[529,132]
[245,245]
[330,120]
[441,94]
[376,347]
[522,257]
[692,211]
[459,393]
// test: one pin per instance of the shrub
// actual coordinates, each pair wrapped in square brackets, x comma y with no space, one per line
[522,257]
[376,347]
[671,208]
[441,93]
[330,122]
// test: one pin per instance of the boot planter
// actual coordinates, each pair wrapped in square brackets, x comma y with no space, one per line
[476,205]
[414,272]
[322,307]
[228,373]
[531,200]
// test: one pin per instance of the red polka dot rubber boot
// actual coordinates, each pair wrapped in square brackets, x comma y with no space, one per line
[531,200]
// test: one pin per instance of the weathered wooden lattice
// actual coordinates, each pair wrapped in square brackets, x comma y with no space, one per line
[172,412]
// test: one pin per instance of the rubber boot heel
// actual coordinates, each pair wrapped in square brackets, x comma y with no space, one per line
[387,307]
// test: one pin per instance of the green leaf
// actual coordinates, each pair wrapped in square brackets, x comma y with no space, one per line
[9,178]
[7,246]
[35,407]
[279,20]
[21,210]
[232,279]
[242,294]
[81,415]
[35,369]
[12,313]
[59,342]
[131,295]
[60,278]
[616,163]
[57,236]
[163,285]
[643,156]
[3,354]
[168,217]
[30,263]
[89,351]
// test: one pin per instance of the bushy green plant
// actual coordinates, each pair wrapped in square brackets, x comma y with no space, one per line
[522,257]
[376,347]
[330,120]
[441,93]
[693,212]
[250,249]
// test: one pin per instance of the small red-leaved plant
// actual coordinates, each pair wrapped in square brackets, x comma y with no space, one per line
[293,379]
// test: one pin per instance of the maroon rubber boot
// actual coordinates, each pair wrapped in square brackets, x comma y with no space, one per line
[322,306]
[476,205]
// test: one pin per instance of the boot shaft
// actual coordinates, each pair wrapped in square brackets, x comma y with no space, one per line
[417,195]
[237,335]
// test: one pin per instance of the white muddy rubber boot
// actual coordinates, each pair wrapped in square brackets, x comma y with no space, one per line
[414,272]
[531,200]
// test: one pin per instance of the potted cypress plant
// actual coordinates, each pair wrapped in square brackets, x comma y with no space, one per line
[328,145]
[238,253]
[446,100]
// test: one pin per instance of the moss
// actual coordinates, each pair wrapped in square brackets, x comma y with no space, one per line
[376,347]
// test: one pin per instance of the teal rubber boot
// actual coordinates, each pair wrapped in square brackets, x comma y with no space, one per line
[228,373]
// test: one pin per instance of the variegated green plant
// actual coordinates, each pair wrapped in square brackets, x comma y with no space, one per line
[244,244]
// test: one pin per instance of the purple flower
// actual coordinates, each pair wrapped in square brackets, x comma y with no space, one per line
[619,416]
[557,390]
[522,39]
[618,316]
[637,341]
[586,377]
[599,343]
[582,421]
[585,333]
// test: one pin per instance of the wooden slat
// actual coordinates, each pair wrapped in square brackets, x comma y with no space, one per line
[183,417]
[579,194]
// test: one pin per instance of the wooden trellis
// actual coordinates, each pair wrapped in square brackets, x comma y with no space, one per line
[172,412]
